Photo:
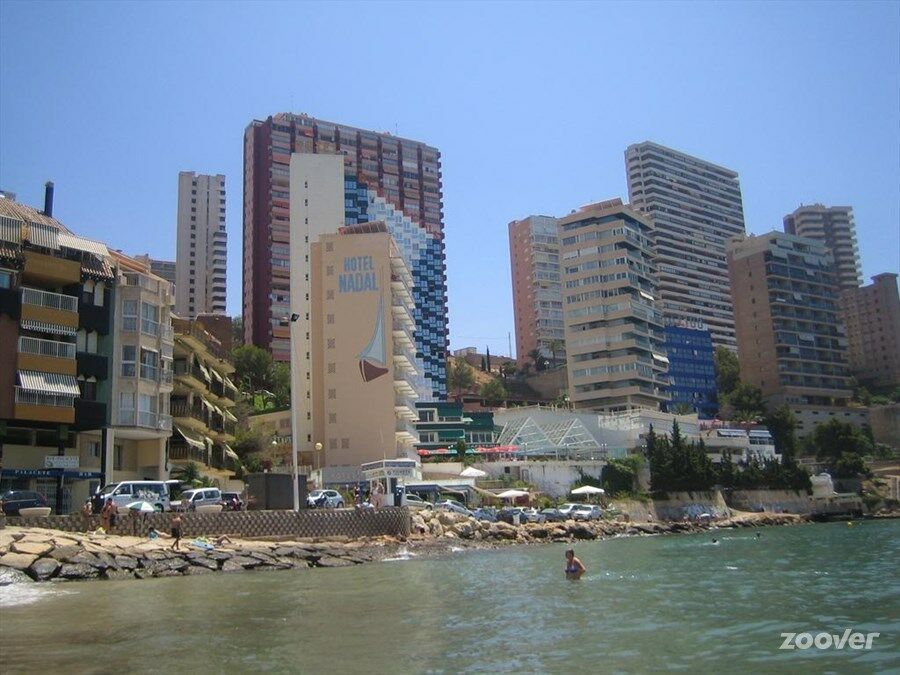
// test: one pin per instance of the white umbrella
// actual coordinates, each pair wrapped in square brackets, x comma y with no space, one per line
[143,507]
[588,490]
[512,494]
[472,472]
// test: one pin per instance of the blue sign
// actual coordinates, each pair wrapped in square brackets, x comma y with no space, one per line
[50,473]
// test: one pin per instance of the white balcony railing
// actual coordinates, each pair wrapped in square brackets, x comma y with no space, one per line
[39,298]
[145,419]
[28,397]
[41,347]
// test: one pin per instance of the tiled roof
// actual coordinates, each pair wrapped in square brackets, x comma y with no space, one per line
[12,209]
[97,267]
[11,254]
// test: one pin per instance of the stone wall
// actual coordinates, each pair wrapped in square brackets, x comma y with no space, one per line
[790,501]
[691,504]
[352,523]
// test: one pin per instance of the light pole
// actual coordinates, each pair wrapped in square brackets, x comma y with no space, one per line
[295,422]
[317,465]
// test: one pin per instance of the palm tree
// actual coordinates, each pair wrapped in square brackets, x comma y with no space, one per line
[538,359]
[556,345]
[460,377]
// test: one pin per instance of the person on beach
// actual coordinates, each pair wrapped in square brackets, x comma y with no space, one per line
[574,567]
[87,511]
[113,515]
[176,532]
[105,514]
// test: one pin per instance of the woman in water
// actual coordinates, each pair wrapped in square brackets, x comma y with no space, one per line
[574,567]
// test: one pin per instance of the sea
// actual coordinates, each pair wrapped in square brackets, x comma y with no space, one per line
[715,602]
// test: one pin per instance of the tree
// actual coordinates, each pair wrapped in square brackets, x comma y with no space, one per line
[190,474]
[249,440]
[620,475]
[488,351]
[493,392]
[682,409]
[460,376]
[280,384]
[556,346]
[834,438]
[507,368]
[746,402]
[540,362]
[728,370]
[461,449]
[782,424]
[253,367]
[483,364]
[237,331]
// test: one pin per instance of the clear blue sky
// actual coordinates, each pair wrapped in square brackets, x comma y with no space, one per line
[531,105]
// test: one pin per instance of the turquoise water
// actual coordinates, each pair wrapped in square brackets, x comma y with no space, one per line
[646,604]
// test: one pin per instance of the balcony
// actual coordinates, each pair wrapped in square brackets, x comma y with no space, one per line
[44,407]
[50,348]
[89,414]
[92,365]
[184,410]
[51,270]
[92,317]
[145,419]
[47,307]
[182,452]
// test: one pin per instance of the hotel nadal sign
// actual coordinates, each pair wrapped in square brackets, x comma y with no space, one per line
[358,275]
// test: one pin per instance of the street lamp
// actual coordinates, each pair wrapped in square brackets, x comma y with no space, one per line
[295,423]
[318,447]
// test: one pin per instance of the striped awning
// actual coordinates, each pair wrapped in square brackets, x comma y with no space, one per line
[80,244]
[208,405]
[231,453]
[40,234]
[229,415]
[215,374]
[49,383]
[51,328]
[190,438]
[203,369]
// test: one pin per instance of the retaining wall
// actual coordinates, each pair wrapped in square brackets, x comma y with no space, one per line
[352,523]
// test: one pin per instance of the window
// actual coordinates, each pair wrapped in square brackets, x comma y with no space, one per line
[126,407]
[149,319]
[129,360]
[129,315]
[149,364]
[6,279]
[93,448]
[88,390]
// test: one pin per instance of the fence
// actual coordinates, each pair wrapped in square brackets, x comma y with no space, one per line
[352,523]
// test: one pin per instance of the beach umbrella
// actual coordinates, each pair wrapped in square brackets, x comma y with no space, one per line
[512,494]
[143,507]
[472,472]
[588,490]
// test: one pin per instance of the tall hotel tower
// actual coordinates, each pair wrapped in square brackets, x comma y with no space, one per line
[696,208]
[834,227]
[380,177]
[201,245]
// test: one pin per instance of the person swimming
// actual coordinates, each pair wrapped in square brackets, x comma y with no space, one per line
[574,567]
[715,541]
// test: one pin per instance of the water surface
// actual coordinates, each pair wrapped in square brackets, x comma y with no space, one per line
[646,604]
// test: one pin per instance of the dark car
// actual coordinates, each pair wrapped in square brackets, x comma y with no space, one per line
[232,501]
[486,514]
[13,500]
[553,515]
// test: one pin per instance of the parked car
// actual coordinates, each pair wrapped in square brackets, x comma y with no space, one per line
[232,501]
[454,506]
[416,503]
[587,512]
[13,500]
[191,499]
[486,514]
[553,515]
[510,514]
[567,509]
[325,499]
[127,492]
[532,515]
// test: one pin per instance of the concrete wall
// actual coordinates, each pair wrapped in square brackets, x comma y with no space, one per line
[885,423]
[551,478]
[249,524]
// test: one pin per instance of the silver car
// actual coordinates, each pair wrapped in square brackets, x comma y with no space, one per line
[191,499]
[325,499]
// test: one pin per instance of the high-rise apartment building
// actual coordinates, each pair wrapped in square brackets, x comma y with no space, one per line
[834,226]
[537,301]
[364,382]
[615,353]
[201,245]
[791,341]
[872,318]
[382,177]
[695,207]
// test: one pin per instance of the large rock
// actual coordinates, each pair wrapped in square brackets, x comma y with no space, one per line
[117,574]
[204,562]
[77,571]
[331,561]
[44,568]
[448,518]
[65,553]
[18,561]
[436,528]
[196,569]
[126,562]
[464,530]
[501,530]
[231,566]
[37,548]
[84,558]
[246,561]
[8,576]
[580,531]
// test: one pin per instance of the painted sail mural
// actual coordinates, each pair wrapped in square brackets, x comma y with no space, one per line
[373,359]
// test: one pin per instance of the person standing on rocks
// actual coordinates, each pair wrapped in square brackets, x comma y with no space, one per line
[113,515]
[176,532]
[105,515]
[87,511]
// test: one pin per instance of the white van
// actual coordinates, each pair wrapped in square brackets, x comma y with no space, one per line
[126,492]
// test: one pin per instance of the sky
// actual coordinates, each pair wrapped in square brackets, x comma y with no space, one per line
[531,105]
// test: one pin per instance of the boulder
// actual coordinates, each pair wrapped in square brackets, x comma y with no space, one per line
[18,561]
[501,530]
[78,571]
[117,574]
[126,562]
[44,568]
[231,566]
[582,532]
[8,576]
[166,573]
[37,548]
[143,573]
[436,528]
[83,558]
[464,530]
[331,561]
[64,553]
[204,562]
[246,561]
[195,569]
[447,518]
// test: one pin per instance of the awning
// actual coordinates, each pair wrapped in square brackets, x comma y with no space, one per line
[51,328]
[231,453]
[203,369]
[209,442]
[191,440]
[209,406]
[230,416]
[67,240]
[660,357]
[215,374]
[646,295]
[49,383]
[39,234]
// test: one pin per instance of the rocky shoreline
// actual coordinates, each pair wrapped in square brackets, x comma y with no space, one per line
[32,554]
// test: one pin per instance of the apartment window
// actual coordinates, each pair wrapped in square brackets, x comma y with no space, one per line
[129,315]
[149,319]
[129,360]
[330,343]
[149,364]
[126,407]
[332,394]
[332,368]
[332,418]
[6,279]
[93,448]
